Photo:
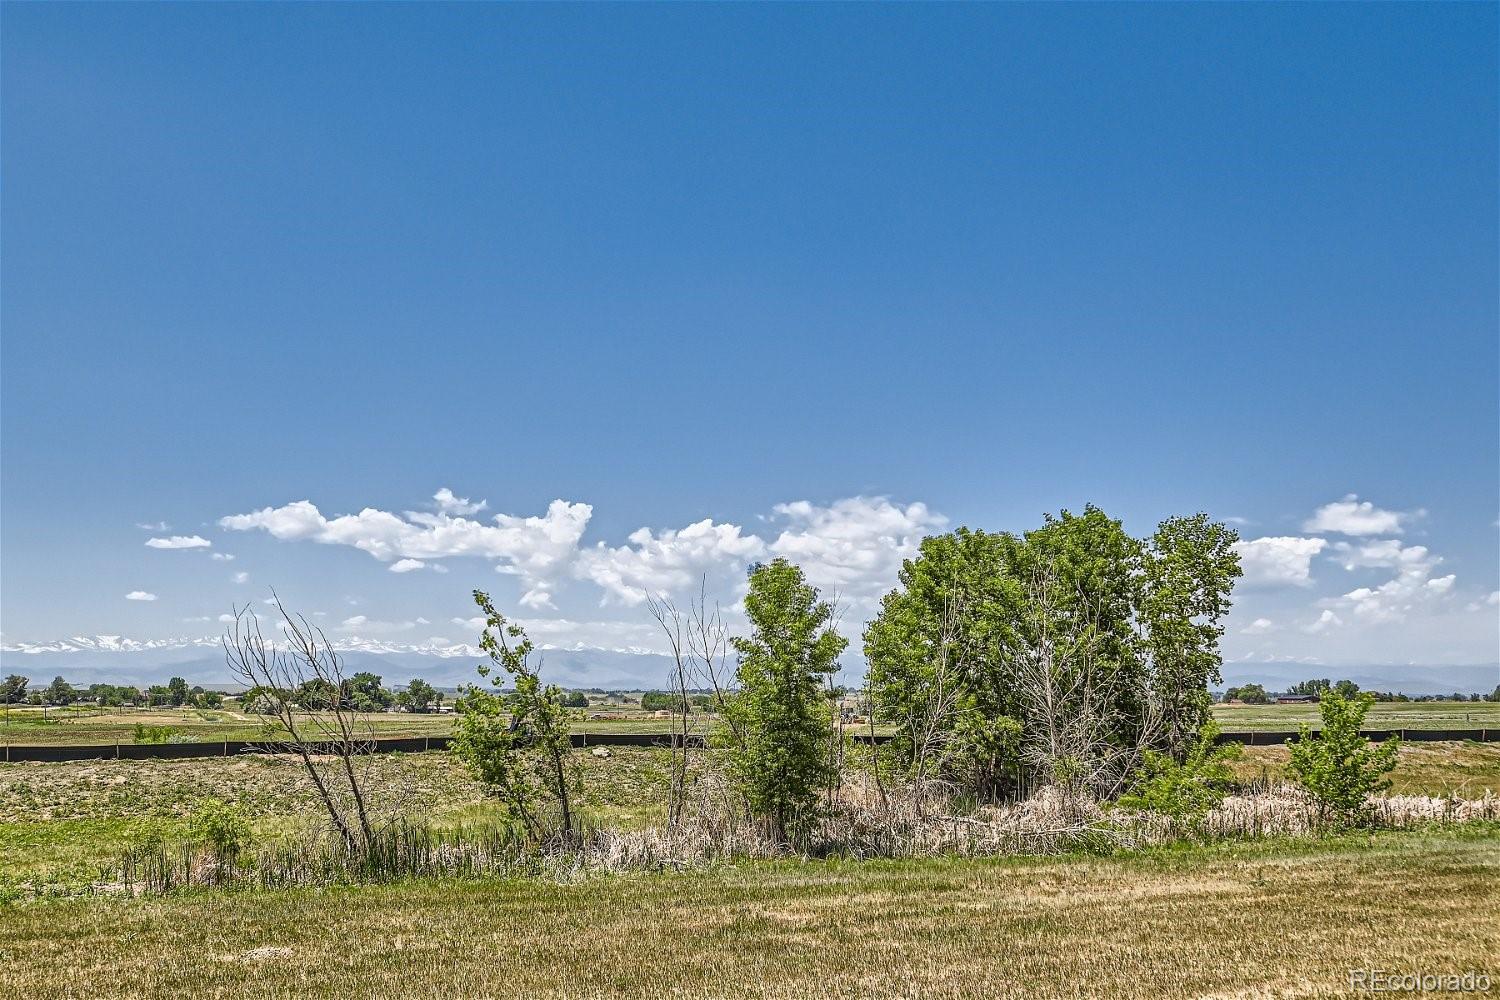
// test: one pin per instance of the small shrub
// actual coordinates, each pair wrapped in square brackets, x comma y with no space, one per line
[221,826]
[153,734]
[1339,767]
[1190,790]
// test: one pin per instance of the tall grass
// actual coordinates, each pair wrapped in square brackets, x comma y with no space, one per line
[858,824]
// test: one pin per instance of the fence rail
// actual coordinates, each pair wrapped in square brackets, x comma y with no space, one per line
[420,744]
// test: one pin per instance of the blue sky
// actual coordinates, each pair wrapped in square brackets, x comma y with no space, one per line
[686,263]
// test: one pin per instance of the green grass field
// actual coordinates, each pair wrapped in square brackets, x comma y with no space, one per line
[1240,920]
[1383,715]
[30,727]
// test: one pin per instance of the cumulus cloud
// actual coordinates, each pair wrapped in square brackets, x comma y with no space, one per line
[140,595]
[221,556]
[1279,559]
[1324,622]
[153,526]
[240,577]
[666,561]
[1353,516]
[447,503]
[406,565]
[1258,626]
[1380,554]
[1412,587]
[535,548]
[854,546]
[179,542]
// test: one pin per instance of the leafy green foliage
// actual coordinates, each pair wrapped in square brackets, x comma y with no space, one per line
[1250,694]
[59,692]
[363,693]
[516,741]
[779,721]
[419,696]
[13,689]
[1339,766]
[1188,789]
[221,826]
[1144,615]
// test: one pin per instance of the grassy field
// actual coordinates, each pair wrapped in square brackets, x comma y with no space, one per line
[1383,715]
[29,726]
[1263,919]
[63,824]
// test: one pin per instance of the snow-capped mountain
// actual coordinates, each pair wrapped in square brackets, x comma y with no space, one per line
[116,659]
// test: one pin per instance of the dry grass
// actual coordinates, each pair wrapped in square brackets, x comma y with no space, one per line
[1464,769]
[1271,919]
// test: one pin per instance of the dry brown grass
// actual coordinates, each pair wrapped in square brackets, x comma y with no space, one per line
[1272,919]
[1464,769]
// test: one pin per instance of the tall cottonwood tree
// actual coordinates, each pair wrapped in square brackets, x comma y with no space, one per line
[1073,635]
[778,719]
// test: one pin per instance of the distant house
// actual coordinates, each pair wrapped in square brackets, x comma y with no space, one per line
[1295,699]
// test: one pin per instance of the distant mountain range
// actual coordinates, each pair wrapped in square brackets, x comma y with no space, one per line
[113,659]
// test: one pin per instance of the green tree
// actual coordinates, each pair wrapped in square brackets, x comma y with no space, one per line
[778,761]
[316,694]
[516,742]
[575,699]
[1190,569]
[1130,630]
[364,693]
[1314,687]
[659,701]
[177,690]
[1346,689]
[59,692]
[1188,789]
[1250,694]
[1339,766]
[419,696]
[13,689]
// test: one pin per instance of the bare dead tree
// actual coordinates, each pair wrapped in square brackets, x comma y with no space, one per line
[328,738]
[670,620]
[1071,700]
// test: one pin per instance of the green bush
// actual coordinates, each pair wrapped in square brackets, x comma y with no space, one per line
[221,826]
[153,734]
[1189,790]
[1339,766]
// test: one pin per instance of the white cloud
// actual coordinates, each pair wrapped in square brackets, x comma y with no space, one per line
[671,560]
[1380,554]
[221,556]
[537,599]
[406,565]
[423,621]
[140,595]
[226,618]
[179,542]
[1353,516]
[354,622]
[240,577]
[1325,621]
[366,626]
[1412,587]
[1278,560]
[854,546]
[447,503]
[535,548]
[154,526]
[1258,626]
[198,618]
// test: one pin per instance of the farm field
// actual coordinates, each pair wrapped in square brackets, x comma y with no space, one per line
[1278,918]
[62,823]
[28,726]
[1382,715]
